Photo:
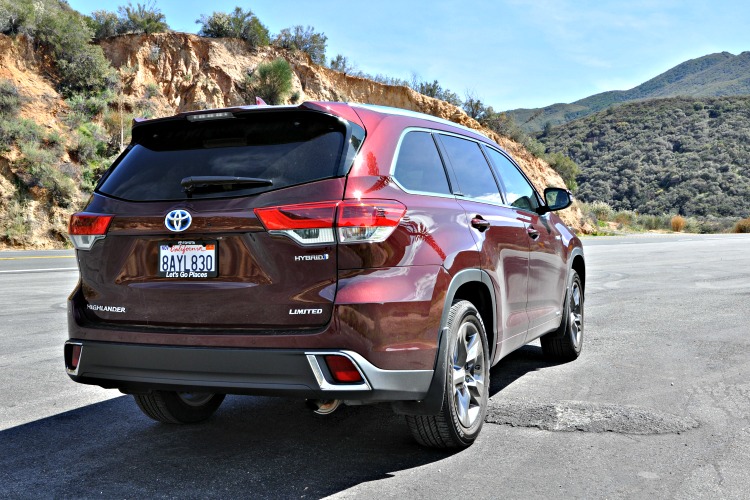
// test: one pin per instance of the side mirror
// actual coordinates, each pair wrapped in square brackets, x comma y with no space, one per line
[557,199]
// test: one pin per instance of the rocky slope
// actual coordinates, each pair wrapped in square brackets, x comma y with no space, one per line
[191,72]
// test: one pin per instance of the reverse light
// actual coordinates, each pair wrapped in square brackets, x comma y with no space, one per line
[342,369]
[85,229]
[367,221]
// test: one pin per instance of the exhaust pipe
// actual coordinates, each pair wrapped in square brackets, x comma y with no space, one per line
[323,406]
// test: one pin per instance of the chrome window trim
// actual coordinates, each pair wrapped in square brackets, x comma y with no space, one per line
[394,160]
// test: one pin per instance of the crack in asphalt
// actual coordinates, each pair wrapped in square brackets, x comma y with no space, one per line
[586,417]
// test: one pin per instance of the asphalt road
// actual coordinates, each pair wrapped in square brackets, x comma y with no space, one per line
[658,405]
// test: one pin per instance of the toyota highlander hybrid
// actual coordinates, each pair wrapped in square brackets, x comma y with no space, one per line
[338,253]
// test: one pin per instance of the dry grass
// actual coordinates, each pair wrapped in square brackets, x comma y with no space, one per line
[678,223]
[742,226]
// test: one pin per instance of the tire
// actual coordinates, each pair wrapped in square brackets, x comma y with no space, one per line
[178,407]
[467,385]
[565,343]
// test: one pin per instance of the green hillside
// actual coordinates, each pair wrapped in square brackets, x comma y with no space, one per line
[721,74]
[677,155]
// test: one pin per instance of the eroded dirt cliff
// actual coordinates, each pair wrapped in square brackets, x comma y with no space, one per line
[190,72]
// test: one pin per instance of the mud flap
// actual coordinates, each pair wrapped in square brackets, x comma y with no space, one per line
[432,404]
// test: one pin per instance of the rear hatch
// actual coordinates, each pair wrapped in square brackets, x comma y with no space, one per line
[181,244]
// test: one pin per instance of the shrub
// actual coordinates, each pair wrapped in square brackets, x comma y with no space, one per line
[152,90]
[600,209]
[270,81]
[14,129]
[304,39]
[742,226]
[143,18]
[678,223]
[91,142]
[651,222]
[238,24]
[567,168]
[10,99]
[88,106]
[65,35]
[625,217]
[15,223]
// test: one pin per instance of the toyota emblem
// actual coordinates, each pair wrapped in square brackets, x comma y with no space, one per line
[178,220]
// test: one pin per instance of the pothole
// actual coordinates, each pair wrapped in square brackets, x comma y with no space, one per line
[585,417]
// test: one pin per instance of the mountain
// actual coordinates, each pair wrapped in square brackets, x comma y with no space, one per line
[721,74]
[683,155]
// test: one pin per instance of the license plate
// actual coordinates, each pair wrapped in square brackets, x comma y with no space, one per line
[188,259]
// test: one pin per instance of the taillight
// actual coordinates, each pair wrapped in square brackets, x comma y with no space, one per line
[85,229]
[367,221]
[306,223]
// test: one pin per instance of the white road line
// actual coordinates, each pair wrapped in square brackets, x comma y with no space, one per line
[21,271]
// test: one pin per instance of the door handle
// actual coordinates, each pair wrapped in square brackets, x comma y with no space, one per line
[533,233]
[480,224]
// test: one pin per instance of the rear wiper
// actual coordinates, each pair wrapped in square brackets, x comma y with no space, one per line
[220,183]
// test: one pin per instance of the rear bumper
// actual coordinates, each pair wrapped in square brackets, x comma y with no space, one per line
[277,372]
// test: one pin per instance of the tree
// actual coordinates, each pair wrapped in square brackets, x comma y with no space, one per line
[341,64]
[434,89]
[105,24]
[143,18]
[474,107]
[304,39]
[272,82]
[238,24]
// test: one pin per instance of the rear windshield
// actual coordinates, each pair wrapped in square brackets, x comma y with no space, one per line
[285,148]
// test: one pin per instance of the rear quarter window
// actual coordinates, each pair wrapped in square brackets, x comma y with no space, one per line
[419,167]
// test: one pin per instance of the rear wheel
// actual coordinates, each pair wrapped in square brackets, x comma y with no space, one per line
[179,407]
[565,343]
[467,384]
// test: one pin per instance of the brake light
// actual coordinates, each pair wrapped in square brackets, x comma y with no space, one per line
[306,223]
[86,229]
[342,369]
[367,221]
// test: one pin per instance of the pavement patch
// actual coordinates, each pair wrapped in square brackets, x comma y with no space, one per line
[585,417]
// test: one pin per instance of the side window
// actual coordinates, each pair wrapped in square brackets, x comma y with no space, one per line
[419,167]
[474,177]
[518,191]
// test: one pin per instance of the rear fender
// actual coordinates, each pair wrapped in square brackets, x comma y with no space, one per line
[433,402]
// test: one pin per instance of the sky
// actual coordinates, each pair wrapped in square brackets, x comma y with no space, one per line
[508,53]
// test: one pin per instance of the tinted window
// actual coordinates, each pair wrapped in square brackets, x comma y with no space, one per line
[518,191]
[419,167]
[474,177]
[286,148]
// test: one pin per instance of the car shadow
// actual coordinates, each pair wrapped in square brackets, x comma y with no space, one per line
[528,358]
[255,447]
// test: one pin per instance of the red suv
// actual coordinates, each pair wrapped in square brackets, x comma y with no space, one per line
[328,251]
